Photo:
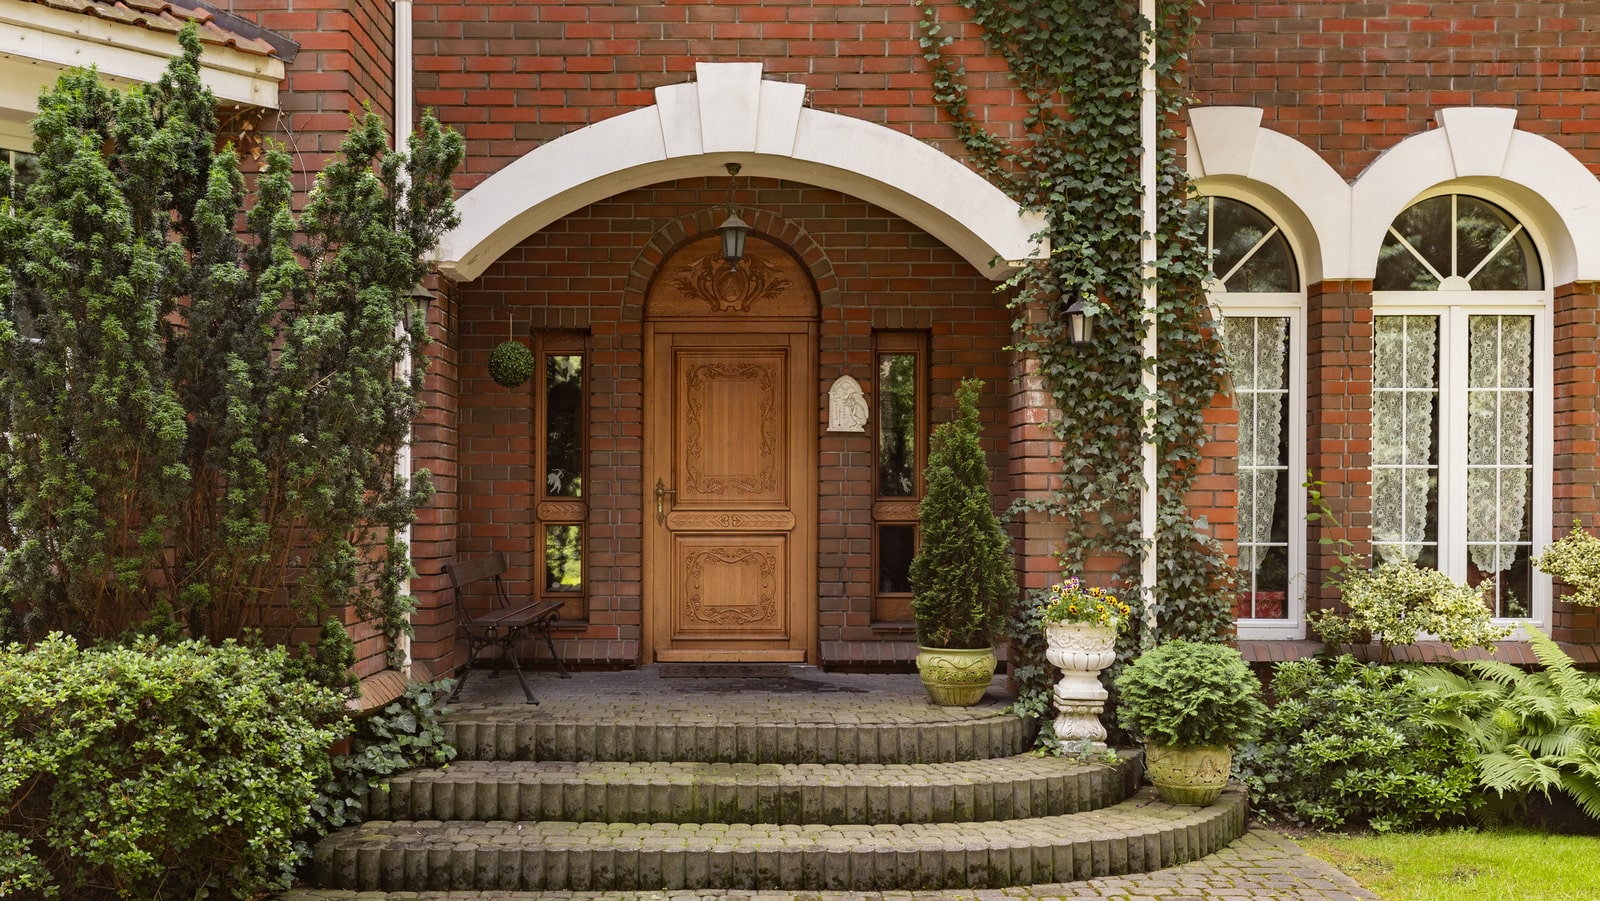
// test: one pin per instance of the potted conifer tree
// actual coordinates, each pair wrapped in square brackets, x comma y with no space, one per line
[961,578]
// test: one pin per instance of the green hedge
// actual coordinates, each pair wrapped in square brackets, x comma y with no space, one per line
[155,771]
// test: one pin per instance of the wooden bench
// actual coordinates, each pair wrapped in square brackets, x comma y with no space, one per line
[505,623]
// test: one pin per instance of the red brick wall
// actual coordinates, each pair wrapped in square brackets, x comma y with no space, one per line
[1577,435]
[589,270]
[1351,80]
[1338,425]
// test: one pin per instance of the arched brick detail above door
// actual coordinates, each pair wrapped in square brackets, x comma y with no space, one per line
[779,230]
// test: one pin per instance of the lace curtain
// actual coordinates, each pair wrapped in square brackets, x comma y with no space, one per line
[1256,347]
[1499,419]
[1405,384]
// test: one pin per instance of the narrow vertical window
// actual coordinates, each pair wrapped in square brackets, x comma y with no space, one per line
[560,439]
[1258,354]
[1500,459]
[901,431]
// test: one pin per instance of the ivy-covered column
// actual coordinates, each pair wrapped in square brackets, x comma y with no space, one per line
[1339,427]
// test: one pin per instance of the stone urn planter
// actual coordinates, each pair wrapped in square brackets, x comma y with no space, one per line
[1080,651]
[1188,775]
[956,677]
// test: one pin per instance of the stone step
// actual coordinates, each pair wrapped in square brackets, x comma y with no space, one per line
[702,734]
[658,792]
[1142,833]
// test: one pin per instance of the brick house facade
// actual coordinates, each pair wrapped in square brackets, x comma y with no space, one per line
[597,138]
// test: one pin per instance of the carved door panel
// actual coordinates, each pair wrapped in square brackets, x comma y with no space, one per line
[730,499]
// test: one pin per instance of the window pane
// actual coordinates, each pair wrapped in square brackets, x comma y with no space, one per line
[563,397]
[1499,447]
[1472,242]
[24,169]
[1257,348]
[1250,253]
[897,425]
[563,558]
[1491,262]
[1426,227]
[1405,438]
[896,546]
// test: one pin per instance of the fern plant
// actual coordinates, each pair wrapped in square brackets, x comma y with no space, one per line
[1534,731]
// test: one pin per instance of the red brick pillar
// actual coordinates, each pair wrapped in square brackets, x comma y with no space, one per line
[1577,436]
[434,446]
[1034,467]
[1338,424]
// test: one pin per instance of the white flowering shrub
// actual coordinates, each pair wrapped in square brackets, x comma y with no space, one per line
[1397,602]
[1575,560]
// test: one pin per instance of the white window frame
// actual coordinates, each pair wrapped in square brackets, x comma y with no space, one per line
[1453,308]
[1290,305]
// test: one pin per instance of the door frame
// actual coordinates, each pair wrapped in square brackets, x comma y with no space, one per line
[660,405]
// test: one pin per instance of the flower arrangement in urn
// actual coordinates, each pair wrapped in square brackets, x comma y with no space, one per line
[1081,623]
[1070,601]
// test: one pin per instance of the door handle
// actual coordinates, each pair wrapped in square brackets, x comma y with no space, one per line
[662,493]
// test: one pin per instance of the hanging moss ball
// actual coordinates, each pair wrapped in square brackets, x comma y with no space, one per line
[511,364]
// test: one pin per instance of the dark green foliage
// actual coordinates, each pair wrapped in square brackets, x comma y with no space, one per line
[151,771]
[1190,695]
[962,582]
[404,735]
[331,663]
[192,418]
[1078,64]
[1534,732]
[1350,745]
[511,364]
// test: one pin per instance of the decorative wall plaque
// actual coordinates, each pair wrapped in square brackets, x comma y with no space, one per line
[847,408]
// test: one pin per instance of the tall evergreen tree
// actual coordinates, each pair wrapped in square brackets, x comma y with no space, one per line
[194,419]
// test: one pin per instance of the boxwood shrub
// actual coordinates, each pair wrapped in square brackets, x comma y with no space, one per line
[1357,745]
[155,771]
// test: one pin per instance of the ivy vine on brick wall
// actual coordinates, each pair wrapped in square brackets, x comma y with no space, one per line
[1078,65]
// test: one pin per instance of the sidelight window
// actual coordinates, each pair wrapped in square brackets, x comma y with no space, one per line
[560,417]
[901,444]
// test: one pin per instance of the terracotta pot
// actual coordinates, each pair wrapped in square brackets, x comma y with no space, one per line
[1194,776]
[956,677]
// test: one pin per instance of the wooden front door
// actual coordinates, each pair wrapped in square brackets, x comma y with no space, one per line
[730,415]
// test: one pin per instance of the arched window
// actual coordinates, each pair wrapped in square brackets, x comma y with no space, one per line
[1461,399]
[1256,285]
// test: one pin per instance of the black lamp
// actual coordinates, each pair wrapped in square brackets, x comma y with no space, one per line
[733,229]
[1080,322]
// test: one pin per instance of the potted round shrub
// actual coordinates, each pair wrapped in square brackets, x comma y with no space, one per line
[962,582]
[1192,703]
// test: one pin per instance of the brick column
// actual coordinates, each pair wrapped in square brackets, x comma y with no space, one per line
[1338,424]
[434,447]
[1577,436]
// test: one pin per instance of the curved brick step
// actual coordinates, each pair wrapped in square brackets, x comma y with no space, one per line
[701,733]
[1142,833]
[619,792]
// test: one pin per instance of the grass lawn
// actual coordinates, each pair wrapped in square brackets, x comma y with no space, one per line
[1452,866]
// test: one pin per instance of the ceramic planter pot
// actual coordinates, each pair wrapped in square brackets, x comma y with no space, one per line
[956,677]
[1194,776]
[1080,651]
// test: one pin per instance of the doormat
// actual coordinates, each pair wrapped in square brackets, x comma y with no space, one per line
[725,670]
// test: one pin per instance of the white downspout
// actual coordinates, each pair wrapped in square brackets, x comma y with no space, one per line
[1148,499]
[403,114]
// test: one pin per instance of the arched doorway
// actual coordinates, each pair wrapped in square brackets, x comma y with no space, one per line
[730,418]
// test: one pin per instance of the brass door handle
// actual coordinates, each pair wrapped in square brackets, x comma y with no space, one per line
[662,493]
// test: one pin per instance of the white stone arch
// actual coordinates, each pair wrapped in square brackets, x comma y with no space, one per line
[1231,155]
[1478,150]
[729,114]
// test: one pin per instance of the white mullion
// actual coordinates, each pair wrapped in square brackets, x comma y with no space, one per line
[1543,454]
[1453,443]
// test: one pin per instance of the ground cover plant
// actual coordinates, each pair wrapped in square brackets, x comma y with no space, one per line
[1504,865]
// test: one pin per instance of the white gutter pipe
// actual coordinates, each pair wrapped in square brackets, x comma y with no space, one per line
[1148,506]
[403,114]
